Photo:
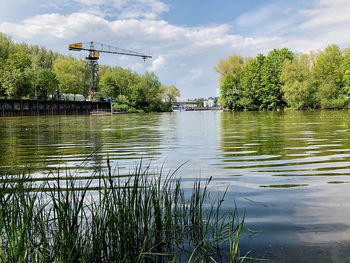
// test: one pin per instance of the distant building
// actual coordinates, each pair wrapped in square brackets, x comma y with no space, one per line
[205,103]
[211,102]
[208,103]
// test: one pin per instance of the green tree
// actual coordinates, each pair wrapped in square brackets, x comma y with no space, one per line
[271,94]
[125,79]
[16,75]
[169,93]
[230,66]
[73,75]
[35,68]
[21,48]
[252,85]
[47,84]
[298,84]
[5,48]
[108,85]
[329,76]
[115,81]
[45,58]
[68,83]
[231,92]
[138,96]
[231,73]
[146,94]
[329,66]
[346,77]
[122,104]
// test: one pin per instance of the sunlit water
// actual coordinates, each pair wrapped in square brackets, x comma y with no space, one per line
[288,171]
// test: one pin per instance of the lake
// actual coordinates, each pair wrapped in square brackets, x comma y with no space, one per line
[288,172]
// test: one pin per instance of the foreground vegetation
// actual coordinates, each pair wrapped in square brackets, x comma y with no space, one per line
[138,218]
[30,71]
[283,79]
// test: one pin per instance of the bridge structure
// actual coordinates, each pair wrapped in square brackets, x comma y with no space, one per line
[190,106]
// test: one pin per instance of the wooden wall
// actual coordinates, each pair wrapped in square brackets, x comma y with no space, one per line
[38,107]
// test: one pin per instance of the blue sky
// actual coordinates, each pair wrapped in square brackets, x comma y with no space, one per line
[185,38]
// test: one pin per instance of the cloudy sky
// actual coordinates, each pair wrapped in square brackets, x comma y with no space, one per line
[185,37]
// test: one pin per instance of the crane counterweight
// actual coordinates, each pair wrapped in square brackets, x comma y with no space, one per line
[75,46]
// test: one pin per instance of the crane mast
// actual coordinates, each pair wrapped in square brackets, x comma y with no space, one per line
[94,50]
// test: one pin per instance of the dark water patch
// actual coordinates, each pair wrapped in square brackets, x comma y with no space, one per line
[283,185]
[13,179]
[338,182]
[342,172]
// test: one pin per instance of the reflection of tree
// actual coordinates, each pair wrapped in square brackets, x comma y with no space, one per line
[251,131]
[130,135]
[314,128]
[288,135]
[41,141]
[95,139]
[46,142]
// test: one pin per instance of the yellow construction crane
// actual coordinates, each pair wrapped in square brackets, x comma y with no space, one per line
[94,50]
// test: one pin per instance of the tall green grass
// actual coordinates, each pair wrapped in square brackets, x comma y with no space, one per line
[144,217]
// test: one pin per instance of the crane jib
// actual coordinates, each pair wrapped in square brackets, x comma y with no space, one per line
[94,54]
[117,51]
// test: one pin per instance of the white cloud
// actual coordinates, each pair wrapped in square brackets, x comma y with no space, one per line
[271,20]
[136,66]
[55,26]
[302,27]
[326,23]
[254,18]
[192,76]
[185,55]
[157,63]
[157,34]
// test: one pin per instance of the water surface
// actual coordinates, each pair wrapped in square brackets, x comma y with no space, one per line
[288,171]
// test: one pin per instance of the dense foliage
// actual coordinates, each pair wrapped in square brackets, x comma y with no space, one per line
[283,79]
[30,71]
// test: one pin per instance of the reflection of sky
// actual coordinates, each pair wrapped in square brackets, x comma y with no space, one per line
[303,209]
[326,205]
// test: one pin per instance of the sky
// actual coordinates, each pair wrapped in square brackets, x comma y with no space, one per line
[186,38]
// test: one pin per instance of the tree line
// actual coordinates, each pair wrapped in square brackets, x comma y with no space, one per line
[33,72]
[282,79]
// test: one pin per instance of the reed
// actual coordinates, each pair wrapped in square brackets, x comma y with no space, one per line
[145,217]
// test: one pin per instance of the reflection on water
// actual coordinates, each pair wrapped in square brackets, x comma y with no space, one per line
[289,171]
[67,141]
[291,166]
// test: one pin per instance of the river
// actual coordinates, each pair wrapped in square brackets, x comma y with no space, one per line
[288,172]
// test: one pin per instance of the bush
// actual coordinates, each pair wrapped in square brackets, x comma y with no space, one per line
[247,104]
[122,100]
[120,107]
[338,103]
